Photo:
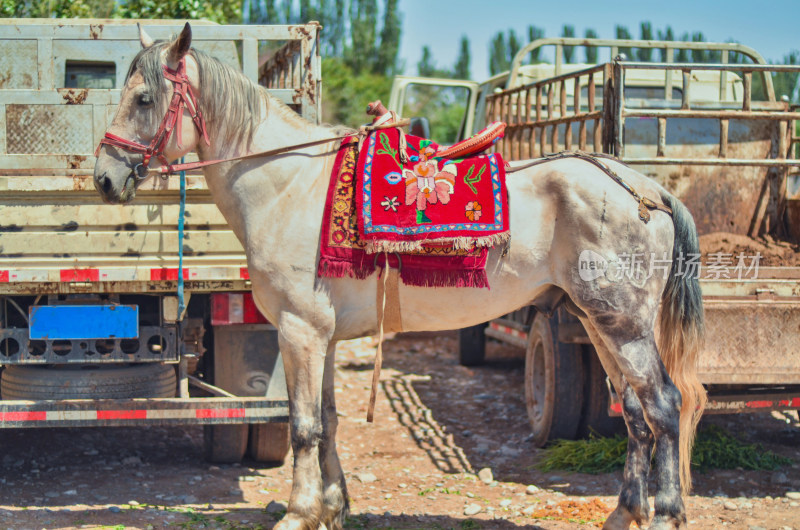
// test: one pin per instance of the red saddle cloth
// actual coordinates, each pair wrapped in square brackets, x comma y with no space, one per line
[433,218]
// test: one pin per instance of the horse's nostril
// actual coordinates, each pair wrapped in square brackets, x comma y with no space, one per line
[105,184]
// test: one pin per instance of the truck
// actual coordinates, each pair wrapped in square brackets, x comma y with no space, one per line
[713,134]
[95,329]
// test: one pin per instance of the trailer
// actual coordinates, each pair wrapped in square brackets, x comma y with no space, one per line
[717,137]
[92,328]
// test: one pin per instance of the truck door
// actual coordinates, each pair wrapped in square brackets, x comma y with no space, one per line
[441,109]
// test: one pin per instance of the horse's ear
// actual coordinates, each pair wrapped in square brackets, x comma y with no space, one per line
[144,38]
[180,46]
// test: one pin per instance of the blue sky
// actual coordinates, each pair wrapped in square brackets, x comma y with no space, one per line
[772,27]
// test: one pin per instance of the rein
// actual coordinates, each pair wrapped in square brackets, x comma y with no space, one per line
[183,97]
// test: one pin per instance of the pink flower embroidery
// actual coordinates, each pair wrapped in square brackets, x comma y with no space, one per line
[426,184]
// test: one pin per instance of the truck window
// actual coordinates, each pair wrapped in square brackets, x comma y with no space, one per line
[444,106]
[90,75]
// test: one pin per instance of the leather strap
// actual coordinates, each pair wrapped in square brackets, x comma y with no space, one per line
[645,204]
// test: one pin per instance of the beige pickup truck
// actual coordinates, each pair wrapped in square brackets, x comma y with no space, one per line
[716,136]
[90,333]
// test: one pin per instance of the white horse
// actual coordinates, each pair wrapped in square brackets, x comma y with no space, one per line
[558,209]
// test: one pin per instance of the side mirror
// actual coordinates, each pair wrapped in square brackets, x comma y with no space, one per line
[420,127]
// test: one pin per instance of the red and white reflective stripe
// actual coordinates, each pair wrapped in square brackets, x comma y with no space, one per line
[508,330]
[234,308]
[135,414]
[122,274]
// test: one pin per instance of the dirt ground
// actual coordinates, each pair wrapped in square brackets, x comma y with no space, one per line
[437,424]
[773,252]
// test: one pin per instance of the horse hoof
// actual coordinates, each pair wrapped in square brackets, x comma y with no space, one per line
[295,522]
[664,522]
[620,519]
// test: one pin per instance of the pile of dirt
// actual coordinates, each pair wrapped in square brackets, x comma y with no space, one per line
[774,253]
[592,512]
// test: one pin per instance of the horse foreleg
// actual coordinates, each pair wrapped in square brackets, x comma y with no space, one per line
[304,351]
[335,506]
[633,504]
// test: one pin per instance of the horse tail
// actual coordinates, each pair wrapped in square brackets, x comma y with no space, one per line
[681,332]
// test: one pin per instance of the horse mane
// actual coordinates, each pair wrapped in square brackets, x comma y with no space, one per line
[229,101]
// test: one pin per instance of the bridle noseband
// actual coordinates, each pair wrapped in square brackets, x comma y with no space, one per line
[183,96]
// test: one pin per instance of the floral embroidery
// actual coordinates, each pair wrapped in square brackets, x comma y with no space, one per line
[473,210]
[426,184]
[390,204]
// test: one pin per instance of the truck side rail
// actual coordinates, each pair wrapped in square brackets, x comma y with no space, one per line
[614,45]
[540,118]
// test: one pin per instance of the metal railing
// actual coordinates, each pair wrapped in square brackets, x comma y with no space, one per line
[536,113]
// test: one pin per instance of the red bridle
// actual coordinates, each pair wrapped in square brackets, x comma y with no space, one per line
[183,96]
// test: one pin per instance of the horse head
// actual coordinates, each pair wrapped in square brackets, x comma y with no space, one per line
[158,117]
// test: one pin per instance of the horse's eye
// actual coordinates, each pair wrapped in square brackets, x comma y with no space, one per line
[145,100]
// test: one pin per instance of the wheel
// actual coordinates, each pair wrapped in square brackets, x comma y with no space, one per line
[145,380]
[225,444]
[269,442]
[553,383]
[472,345]
[595,418]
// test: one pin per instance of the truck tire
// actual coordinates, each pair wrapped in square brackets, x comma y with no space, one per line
[553,383]
[595,418]
[225,444]
[472,345]
[145,380]
[269,443]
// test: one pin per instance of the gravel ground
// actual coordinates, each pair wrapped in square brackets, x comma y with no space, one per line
[450,448]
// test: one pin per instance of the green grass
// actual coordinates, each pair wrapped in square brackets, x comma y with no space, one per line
[714,448]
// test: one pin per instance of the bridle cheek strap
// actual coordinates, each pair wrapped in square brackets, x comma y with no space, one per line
[182,97]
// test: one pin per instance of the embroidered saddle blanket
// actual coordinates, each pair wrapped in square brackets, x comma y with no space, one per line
[433,219]
[403,205]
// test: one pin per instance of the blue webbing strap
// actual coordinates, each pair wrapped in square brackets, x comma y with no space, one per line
[181,212]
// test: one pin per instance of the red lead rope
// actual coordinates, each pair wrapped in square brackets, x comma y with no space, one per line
[182,97]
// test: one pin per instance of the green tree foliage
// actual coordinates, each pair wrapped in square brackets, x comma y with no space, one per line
[666,34]
[223,12]
[345,94]
[535,33]
[390,40]
[363,18]
[788,83]
[502,50]
[683,56]
[569,51]
[623,33]
[591,51]
[461,68]
[646,32]
[56,8]
[498,54]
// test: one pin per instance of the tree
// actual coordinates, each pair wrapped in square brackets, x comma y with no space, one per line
[535,33]
[498,54]
[229,11]
[513,45]
[646,31]
[461,68]
[699,56]
[683,54]
[390,40]
[623,33]
[569,51]
[425,66]
[591,51]
[363,19]
[665,35]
